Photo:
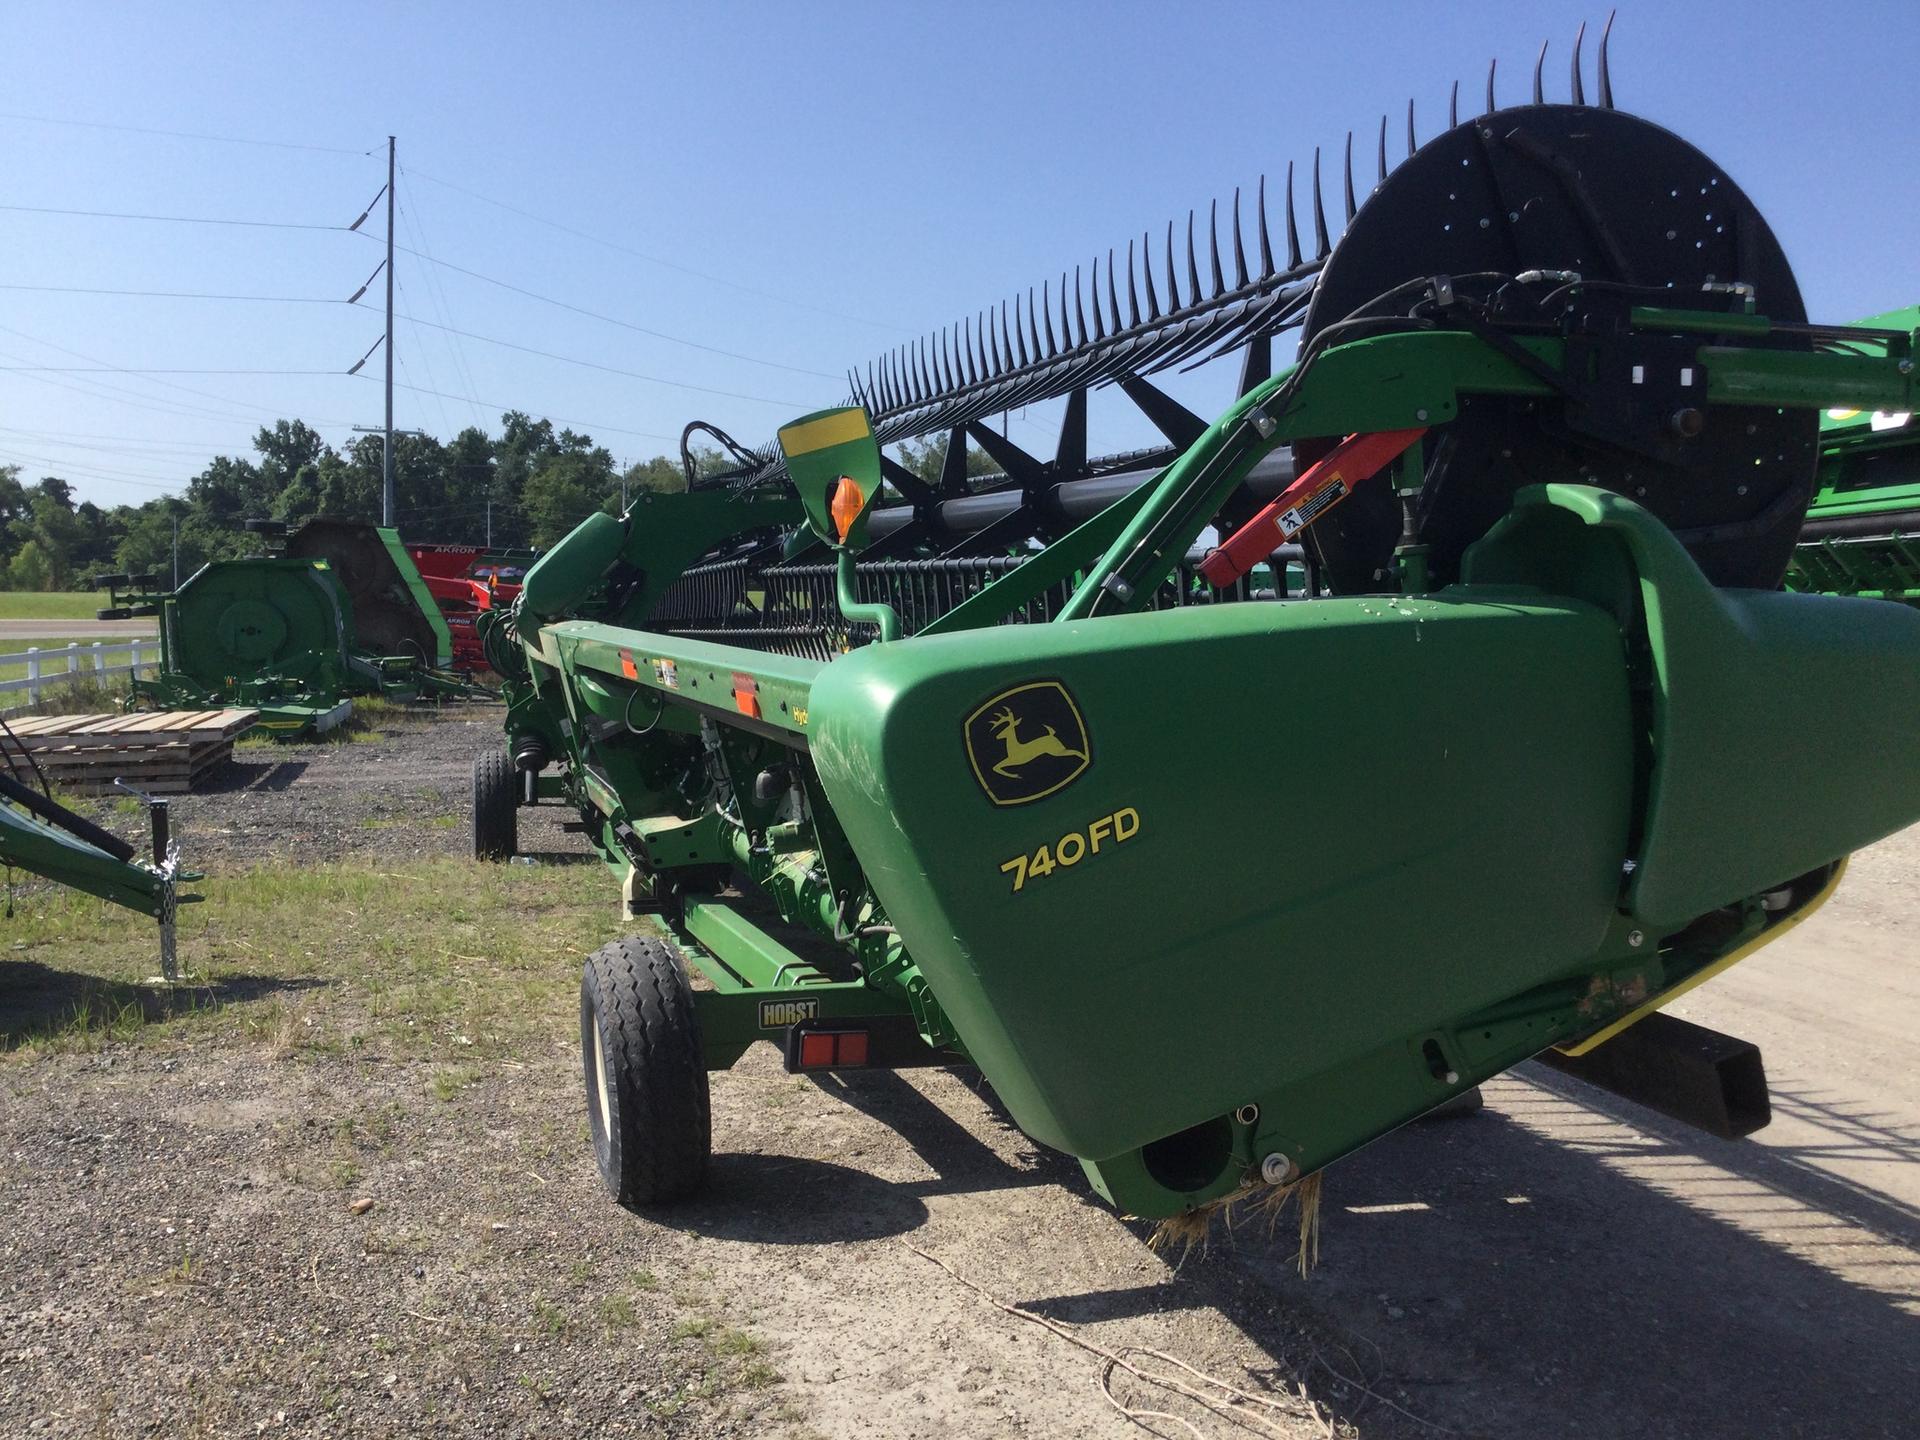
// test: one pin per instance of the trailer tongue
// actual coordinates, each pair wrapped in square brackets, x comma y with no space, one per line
[1215,885]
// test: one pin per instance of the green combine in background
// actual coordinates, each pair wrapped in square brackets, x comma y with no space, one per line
[1862,535]
[340,612]
[1214,878]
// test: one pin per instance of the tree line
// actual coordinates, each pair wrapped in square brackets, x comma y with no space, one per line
[525,487]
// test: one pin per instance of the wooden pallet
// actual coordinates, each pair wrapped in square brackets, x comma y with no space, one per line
[165,752]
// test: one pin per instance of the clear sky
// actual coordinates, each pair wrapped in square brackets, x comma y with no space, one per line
[803,185]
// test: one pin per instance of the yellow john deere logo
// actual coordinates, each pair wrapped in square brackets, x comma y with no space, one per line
[1027,742]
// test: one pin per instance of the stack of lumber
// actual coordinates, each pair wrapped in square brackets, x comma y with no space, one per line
[163,752]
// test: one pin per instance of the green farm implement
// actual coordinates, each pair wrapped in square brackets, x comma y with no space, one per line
[340,612]
[40,835]
[1481,593]
[1862,535]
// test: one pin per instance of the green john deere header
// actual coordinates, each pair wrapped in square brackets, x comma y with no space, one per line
[1216,875]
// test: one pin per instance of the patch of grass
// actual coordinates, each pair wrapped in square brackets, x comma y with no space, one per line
[645,1280]
[725,1340]
[450,1080]
[551,1319]
[694,1327]
[617,1312]
[51,604]
[757,1375]
[413,960]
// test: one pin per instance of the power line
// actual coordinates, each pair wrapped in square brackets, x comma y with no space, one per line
[437,294]
[141,395]
[611,319]
[182,134]
[148,370]
[652,259]
[175,294]
[595,365]
[171,219]
[587,427]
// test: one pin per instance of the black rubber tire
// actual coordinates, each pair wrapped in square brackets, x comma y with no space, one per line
[118,612]
[645,1078]
[496,799]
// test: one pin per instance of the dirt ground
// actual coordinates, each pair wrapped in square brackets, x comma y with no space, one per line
[180,1252]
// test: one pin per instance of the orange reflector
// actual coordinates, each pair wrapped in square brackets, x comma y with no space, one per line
[848,501]
[816,1051]
[627,667]
[746,695]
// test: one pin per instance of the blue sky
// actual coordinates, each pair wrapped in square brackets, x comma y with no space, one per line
[804,185]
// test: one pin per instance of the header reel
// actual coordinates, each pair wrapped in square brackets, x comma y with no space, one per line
[1558,219]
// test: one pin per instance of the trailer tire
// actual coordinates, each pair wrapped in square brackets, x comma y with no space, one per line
[495,801]
[646,1080]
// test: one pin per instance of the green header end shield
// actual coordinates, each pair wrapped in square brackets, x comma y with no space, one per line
[823,449]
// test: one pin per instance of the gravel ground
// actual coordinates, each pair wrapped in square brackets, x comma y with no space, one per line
[186,1250]
[406,795]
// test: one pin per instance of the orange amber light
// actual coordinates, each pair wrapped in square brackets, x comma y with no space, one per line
[848,501]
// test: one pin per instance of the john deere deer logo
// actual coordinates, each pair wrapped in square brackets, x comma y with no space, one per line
[1027,742]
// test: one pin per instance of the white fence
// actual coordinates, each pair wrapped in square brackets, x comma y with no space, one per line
[64,664]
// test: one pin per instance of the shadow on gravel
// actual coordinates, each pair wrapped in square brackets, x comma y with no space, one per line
[1504,1276]
[963,1162]
[38,1002]
[785,1200]
[266,776]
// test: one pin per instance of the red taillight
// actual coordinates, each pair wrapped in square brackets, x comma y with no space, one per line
[817,1051]
[827,1050]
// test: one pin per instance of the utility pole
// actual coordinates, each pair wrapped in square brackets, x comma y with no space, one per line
[489,522]
[386,467]
[176,550]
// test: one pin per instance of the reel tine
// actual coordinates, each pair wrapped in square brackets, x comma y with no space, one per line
[1349,177]
[1173,284]
[1046,306]
[1079,309]
[1006,362]
[1266,245]
[1293,230]
[1412,144]
[1239,246]
[1213,248]
[1146,269]
[1324,246]
[1606,79]
[1579,91]
[1193,265]
[1113,298]
[1453,106]
[1019,334]
[1493,66]
[1133,292]
[1539,64]
[1383,150]
[983,371]
[1099,321]
[1033,327]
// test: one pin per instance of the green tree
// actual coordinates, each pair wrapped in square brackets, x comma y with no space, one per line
[29,570]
